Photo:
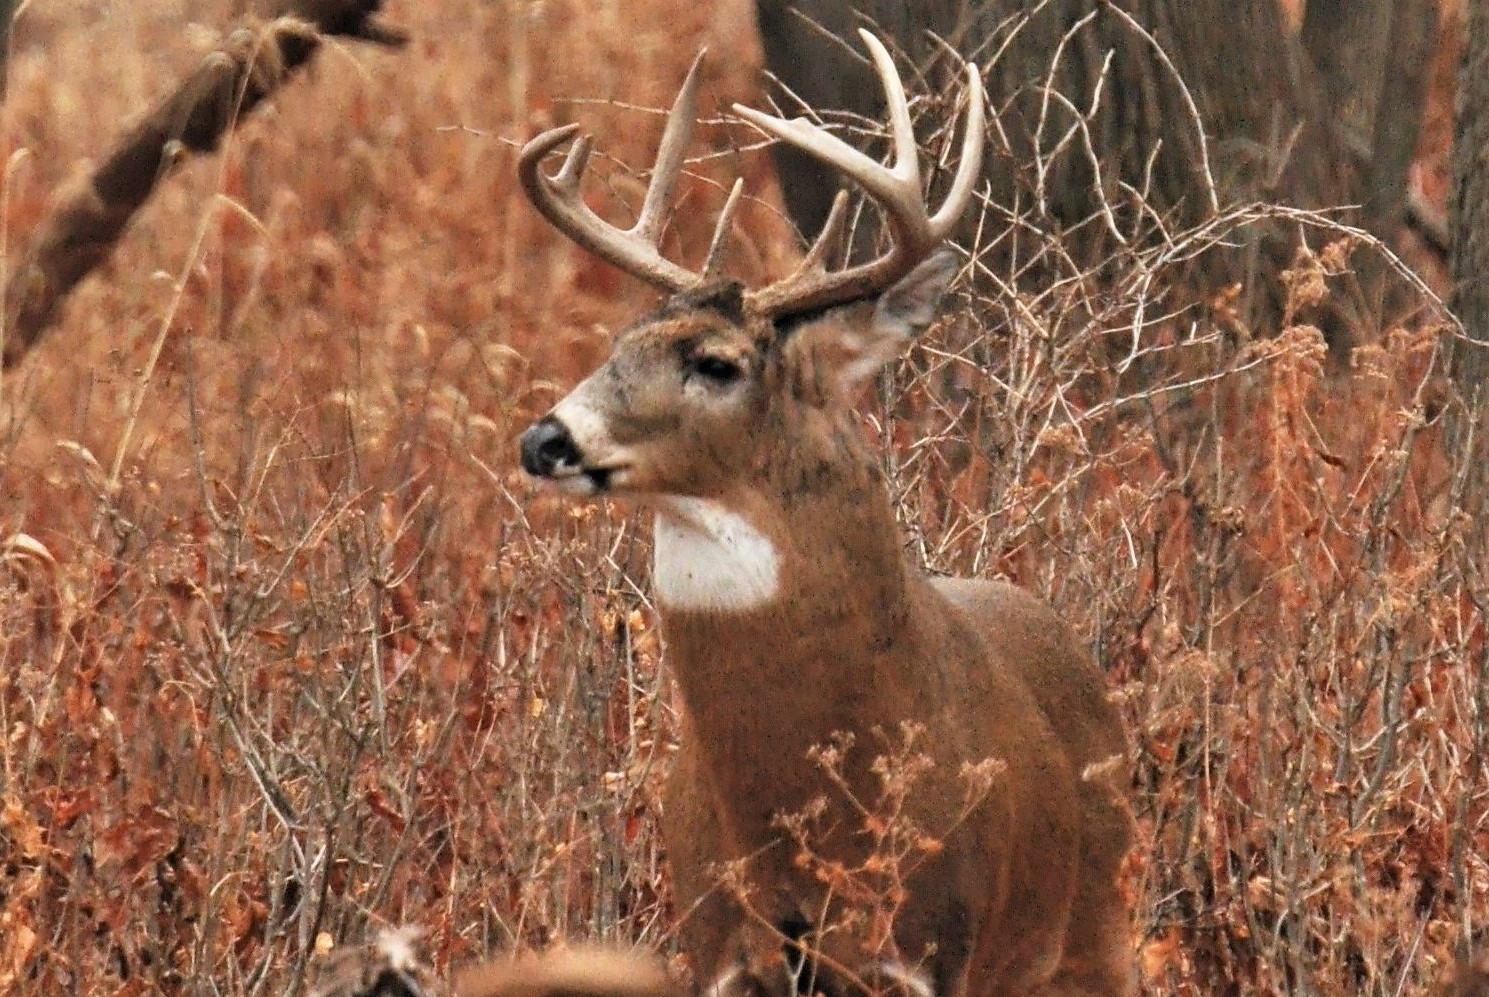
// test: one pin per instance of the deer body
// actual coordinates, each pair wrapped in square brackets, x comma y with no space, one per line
[791,616]
[857,638]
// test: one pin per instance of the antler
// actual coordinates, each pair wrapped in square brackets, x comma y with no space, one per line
[914,233]
[634,250]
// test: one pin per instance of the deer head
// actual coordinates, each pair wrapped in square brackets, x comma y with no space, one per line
[678,409]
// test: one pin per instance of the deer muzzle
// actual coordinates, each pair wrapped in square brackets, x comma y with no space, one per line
[549,451]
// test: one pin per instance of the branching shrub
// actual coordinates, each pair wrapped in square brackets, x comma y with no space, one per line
[290,652]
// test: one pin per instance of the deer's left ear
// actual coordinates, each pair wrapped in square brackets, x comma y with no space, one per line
[829,360]
[899,315]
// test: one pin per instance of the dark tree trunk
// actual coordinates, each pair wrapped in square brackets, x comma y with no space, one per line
[1271,115]
[1373,59]
[1346,40]
[7,16]
[1397,125]
[1468,213]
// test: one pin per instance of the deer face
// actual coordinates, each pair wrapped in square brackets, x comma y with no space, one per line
[670,413]
[695,399]
[682,405]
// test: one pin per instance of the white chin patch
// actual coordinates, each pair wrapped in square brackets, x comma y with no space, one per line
[708,558]
[573,484]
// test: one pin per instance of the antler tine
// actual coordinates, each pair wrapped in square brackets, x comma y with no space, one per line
[897,188]
[713,263]
[901,128]
[670,152]
[969,170]
[558,199]
[830,237]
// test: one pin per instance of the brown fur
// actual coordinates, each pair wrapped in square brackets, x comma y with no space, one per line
[580,971]
[1023,898]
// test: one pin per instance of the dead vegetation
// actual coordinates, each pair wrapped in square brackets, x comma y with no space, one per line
[289,650]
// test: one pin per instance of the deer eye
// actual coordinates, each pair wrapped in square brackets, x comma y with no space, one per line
[717,369]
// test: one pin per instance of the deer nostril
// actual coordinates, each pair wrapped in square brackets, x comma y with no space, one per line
[546,445]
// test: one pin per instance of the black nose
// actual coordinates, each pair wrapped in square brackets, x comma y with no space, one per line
[546,445]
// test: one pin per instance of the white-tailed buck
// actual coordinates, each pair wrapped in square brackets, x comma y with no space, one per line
[791,615]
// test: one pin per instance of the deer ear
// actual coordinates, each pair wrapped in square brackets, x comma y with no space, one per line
[899,314]
[830,359]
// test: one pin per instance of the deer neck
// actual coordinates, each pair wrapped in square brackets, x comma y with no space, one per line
[762,593]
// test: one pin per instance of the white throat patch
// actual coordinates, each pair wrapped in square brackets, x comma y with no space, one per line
[708,558]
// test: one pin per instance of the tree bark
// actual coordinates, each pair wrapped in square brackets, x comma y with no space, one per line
[89,218]
[1468,219]
[7,16]
[1398,112]
[1373,59]
[1346,41]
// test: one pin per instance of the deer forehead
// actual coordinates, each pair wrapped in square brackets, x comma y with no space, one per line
[669,336]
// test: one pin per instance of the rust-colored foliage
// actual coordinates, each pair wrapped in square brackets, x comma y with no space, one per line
[90,215]
[289,651]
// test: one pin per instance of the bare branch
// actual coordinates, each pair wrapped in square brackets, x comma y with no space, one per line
[90,216]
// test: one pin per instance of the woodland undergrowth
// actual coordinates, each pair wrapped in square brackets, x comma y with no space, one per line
[289,650]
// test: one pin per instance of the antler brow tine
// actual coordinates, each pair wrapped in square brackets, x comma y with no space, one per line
[713,263]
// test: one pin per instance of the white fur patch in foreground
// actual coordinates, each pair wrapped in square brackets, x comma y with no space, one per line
[708,558]
[912,981]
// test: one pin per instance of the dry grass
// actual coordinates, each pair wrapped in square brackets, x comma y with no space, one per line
[288,649]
